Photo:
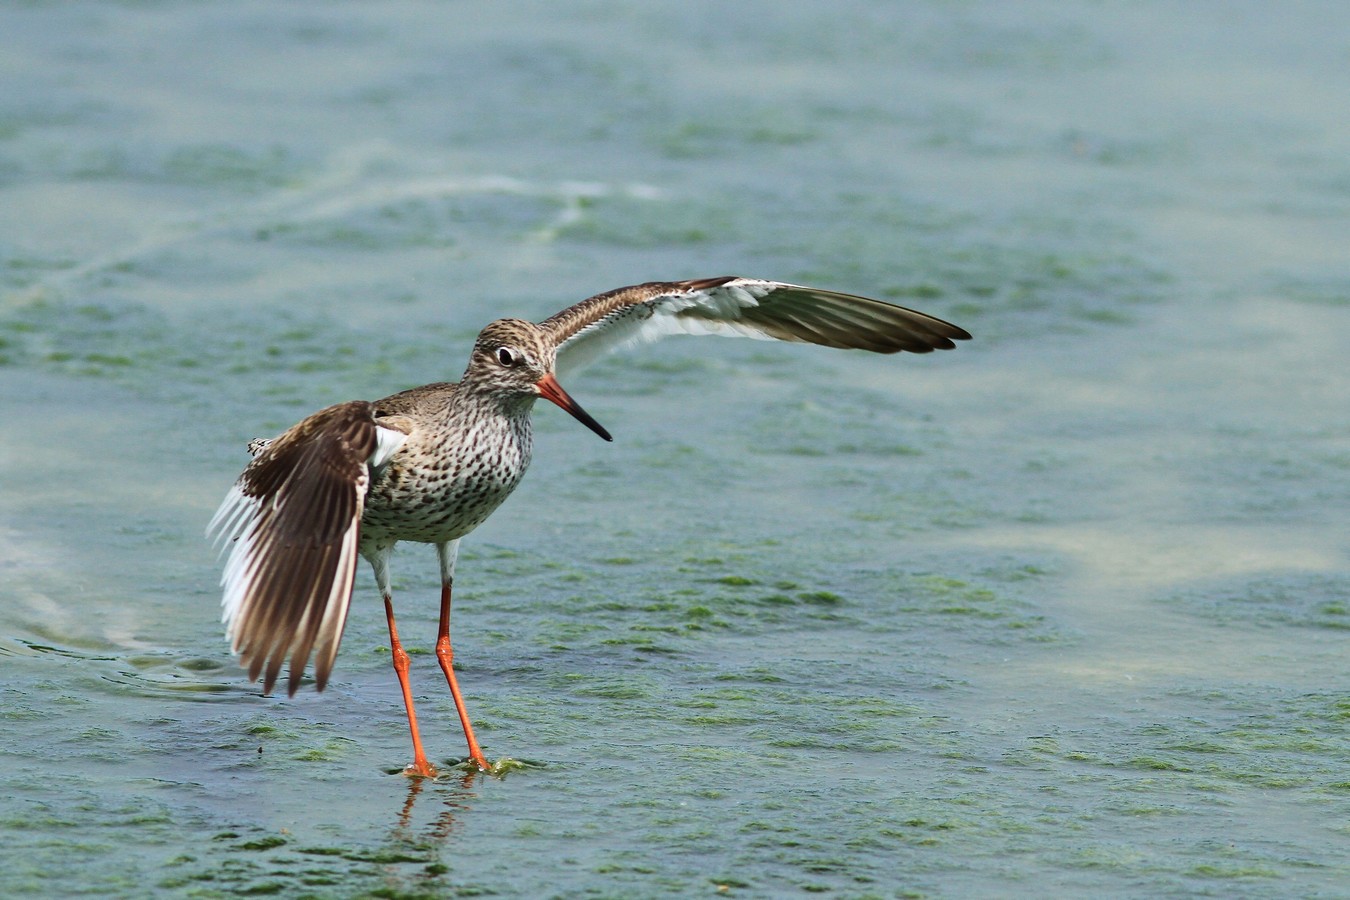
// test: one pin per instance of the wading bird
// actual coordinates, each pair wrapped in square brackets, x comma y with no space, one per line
[430,464]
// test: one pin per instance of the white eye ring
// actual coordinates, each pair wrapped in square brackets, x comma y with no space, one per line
[505,356]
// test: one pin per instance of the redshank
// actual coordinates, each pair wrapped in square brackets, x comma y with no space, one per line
[430,464]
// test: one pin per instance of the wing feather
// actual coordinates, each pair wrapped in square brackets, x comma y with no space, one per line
[292,526]
[741,307]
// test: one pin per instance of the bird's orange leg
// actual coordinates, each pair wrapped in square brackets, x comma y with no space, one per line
[419,767]
[446,655]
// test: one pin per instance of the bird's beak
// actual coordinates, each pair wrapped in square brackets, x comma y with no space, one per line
[551,390]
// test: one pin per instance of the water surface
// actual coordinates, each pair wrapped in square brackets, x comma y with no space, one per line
[1064,610]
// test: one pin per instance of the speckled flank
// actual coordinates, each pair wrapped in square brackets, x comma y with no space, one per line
[455,470]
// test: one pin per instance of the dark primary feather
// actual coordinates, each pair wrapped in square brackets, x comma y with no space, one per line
[848,322]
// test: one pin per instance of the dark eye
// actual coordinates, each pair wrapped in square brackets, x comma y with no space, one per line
[505,356]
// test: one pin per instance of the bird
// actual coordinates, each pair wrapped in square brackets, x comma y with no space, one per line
[432,463]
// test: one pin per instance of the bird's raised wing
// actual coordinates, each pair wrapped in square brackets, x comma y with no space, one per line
[292,524]
[744,307]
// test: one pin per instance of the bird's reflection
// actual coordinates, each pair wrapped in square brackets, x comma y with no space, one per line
[455,795]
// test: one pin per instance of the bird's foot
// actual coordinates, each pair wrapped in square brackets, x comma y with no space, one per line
[499,769]
[419,769]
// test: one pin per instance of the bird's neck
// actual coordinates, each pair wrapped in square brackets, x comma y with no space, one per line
[497,402]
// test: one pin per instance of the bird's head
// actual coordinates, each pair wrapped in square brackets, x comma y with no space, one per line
[515,358]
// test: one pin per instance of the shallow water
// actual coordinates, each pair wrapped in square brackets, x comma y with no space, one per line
[1062,611]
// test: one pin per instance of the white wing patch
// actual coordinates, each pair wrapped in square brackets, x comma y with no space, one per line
[387,443]
[719,313]
[234,527]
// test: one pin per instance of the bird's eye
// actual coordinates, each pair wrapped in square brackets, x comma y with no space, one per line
[505,356]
